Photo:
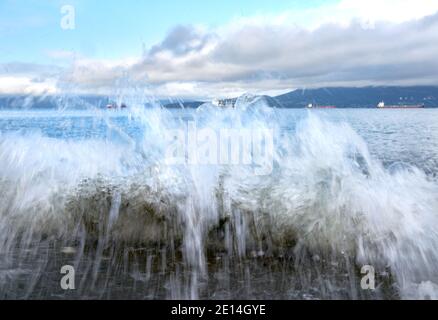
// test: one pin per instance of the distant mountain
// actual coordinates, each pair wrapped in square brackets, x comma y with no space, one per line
[75,102]
[269,101]
[366,97]
[341,97]
[52,102]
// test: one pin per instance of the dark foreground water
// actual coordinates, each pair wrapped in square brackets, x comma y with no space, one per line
[336,190]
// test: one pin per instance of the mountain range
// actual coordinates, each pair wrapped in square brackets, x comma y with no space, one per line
[367,97]
[343,97]
[340,97]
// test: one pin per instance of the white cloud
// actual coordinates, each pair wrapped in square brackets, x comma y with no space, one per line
[24,85]
[266,56]
[350,43]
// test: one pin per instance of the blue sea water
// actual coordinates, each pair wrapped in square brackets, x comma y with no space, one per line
[393,136]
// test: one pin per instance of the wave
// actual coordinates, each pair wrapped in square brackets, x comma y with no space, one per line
[117,209]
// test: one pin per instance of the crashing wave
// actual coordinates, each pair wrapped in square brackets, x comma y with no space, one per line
[327,208]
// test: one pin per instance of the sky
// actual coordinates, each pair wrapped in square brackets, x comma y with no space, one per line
[209,49]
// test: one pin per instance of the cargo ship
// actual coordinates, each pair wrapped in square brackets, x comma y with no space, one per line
[382,105]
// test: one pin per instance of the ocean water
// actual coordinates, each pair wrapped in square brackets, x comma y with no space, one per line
[339,189]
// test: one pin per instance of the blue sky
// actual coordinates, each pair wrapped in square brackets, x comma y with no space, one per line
[208,49]
[113,28]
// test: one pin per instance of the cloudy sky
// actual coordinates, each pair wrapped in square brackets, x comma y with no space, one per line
[205,49]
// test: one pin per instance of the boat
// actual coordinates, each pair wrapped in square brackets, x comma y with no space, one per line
[224,103]
[115,106]
[382,105]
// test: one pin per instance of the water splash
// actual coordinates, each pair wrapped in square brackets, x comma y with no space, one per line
[136,227]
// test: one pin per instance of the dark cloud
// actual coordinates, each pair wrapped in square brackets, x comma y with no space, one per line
[182,40]
[268,56]
[298,57]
